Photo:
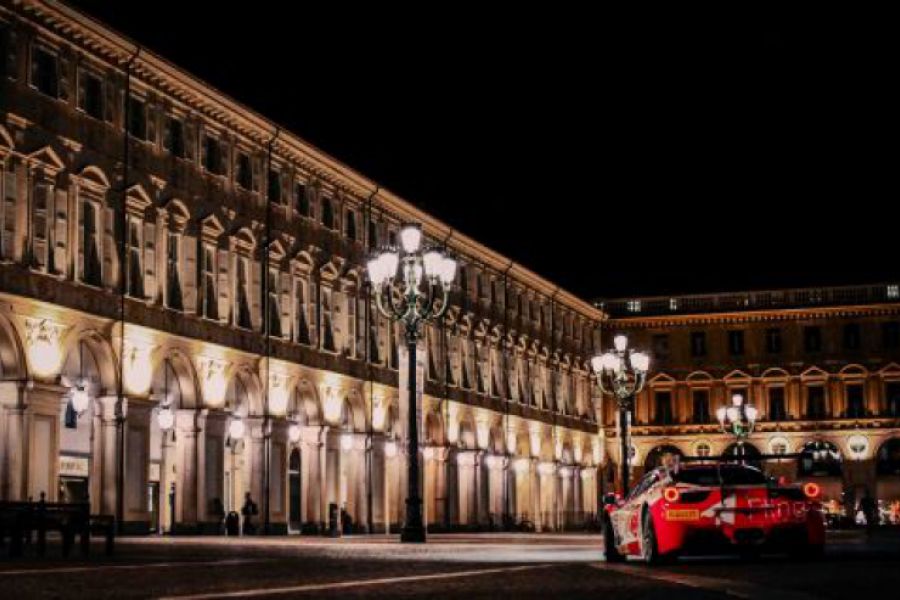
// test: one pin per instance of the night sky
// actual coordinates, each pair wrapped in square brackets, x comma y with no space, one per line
[616,156]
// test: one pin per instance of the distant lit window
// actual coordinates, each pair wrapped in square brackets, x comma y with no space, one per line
[212,156]
[327,213]
[90,94]
[851,336]
[173,139]
[736,342]
[44,71]
[137,118]
[634,306]
[673,304]
[893,291]
[698,343]
[773,341]
[702,449]
[243,171]
[274,186]
[812,339]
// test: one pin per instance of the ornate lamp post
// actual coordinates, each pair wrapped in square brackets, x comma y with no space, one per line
[737,419]
[621,373]
[423,280]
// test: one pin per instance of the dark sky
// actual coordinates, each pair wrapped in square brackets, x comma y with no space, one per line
[616,156]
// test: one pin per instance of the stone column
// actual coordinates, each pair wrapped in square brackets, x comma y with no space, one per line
[278,478]
[137,467]
[452,487]
[534,487]
[107,459]
[379,460]
[482,488]
[13,459]
[187,429]
[510,502]
[256,443]
[211,453]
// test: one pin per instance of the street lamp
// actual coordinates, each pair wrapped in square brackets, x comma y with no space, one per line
[423,280]
[621,373]
[737,419]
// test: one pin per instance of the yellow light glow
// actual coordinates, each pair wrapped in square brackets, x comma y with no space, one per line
[44,352]
[332,406]
[137,369]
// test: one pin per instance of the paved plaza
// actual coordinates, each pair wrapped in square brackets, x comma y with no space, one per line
[474,566]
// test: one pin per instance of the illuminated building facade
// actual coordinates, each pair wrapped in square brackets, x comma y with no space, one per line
[821,366]
[184,317]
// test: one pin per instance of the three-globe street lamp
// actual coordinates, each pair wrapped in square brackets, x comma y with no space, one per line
[737,419]
[421,280]
[621,373]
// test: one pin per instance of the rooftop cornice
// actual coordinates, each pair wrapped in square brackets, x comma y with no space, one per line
[74,26]
[776,314]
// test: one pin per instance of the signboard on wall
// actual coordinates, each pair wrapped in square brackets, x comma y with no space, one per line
[73,466]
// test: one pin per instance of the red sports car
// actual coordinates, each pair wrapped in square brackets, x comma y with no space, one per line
[701,508]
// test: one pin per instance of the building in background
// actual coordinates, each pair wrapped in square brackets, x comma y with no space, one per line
[184,317]
[822,367]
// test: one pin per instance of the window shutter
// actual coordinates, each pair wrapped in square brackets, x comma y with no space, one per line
[256,170]
[255,292]
[203,148]
[61,233]
[110,251]
[224,285]
[285,303]
[9,212]
[151,281]
[82,90]
[312,302]
[12,68]
[189,273]
[190,142]
[150,113]
[79,241]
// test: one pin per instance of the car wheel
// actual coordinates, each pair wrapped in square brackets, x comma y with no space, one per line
[649,548]
[610,552]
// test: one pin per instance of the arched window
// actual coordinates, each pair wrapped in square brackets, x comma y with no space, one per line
[819,459]
[661,456]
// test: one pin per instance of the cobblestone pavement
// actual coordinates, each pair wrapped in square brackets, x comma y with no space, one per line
[454,566]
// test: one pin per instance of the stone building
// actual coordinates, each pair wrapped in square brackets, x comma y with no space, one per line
[184,316]
[821,366]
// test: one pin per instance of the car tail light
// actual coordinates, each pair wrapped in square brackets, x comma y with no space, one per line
[811,490]
[671,494]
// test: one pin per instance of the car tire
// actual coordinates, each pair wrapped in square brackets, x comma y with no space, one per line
[649,547]
[610,553]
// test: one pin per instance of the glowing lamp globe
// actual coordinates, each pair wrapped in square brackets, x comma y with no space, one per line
[640,361]
[447,270]
[751,413]
[737,399]
[721,414]
[236,429]
[620,342]
[433,260]
[411,238]
[166,418]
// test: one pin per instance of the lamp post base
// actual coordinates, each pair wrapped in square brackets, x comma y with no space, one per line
[414,535]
